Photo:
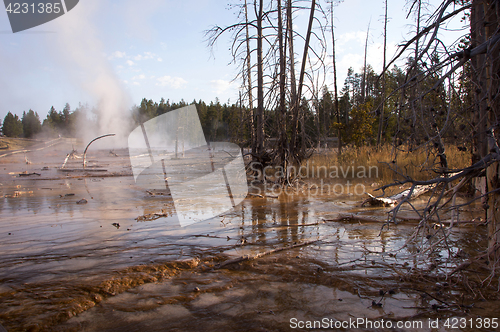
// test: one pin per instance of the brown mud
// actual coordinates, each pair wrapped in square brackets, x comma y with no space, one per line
[100,267]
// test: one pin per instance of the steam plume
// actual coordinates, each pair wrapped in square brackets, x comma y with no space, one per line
[81,51]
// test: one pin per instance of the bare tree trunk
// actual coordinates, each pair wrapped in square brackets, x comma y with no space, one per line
[479,78]
[485,21]
[294,106]
[419,13]
[478,36]
[381,117]
[303,130]
[325,122]
[492,71]
[335,91]
[303,70]
[413,91]
[318,119]
[241,117]
[260,84]
[363,81]
[249,82]
[283,141]
[493,172]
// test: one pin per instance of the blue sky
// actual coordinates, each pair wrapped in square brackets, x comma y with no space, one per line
[118,52]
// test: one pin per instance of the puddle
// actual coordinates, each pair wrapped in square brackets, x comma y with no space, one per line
[95,267]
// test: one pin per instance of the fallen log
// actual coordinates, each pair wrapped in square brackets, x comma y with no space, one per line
[264,196]
[435,222]
[152,216]
[29,174]
[159,193]
[297,225]
[256,195]
[69,170]
[397,198]
[352,218]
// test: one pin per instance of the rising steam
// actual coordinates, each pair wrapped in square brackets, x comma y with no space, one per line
[81,52]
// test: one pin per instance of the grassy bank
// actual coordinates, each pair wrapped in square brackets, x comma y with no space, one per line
[379,165]
[8,143]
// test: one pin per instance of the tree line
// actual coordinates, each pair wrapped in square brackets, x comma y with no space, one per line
[357,121]
[29,125]
[220,122]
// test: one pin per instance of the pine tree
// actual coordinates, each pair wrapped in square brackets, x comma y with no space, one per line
[31,124]
[12,126]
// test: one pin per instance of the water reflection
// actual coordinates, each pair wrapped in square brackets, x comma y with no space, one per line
[60,257]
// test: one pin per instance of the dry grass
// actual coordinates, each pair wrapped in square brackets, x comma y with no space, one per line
[7,143]
[419,165]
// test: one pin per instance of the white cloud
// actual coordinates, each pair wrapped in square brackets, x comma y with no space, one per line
[130,62]
[160,59]
[350,60]
[173,82]
[144,56]
[221,86]
[139,77]
[117,54]
[358,36]
[355,57]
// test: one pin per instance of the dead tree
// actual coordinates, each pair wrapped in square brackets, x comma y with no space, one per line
[281,154]
[278,89]
[260,83]
[241,49]
[249,80]
[485,35]
[483,55]
[382,108]
[363,78]
[297,150]
[336,100]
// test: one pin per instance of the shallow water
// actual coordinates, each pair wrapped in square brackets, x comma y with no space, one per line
[93,267]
